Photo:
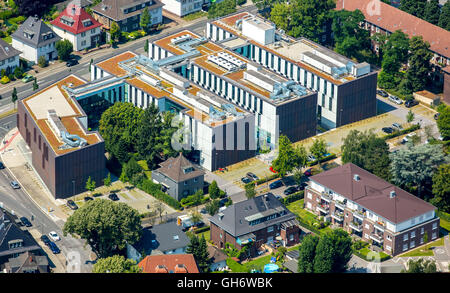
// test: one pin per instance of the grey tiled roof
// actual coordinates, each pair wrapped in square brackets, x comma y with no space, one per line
[114,9]
[38,29]
[7,51]
[164,236]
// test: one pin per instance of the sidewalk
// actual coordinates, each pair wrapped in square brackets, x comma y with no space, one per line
[16,157]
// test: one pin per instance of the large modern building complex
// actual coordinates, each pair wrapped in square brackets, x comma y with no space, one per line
[346,91]
[64,153]
[371,208]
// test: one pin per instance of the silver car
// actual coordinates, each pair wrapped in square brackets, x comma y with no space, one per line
[15,185]
[395,99]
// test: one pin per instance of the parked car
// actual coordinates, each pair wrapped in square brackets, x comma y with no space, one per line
[15,185]
[72,205]
[408,137]
[71,62]
[302,186]
[45,239]
[387,130]
[275,184]
[395,99]
[53,247]
[88,198]
[279,197]
[382,93]
[252,176]
[2,166]
[397,126]
[113,197]
[54,236]
[411,103]
[25,222]
[311,158]
[290,190]
[246,180]
[27,78]
[222,202]
[436,116]
[308,172]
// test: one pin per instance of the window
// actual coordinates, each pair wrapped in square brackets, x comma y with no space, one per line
[434,235]
[309,195]
[83,43]
[93,31]
[388,248]
[389,237]
[367,226]
[405,247]
[291,237]
[412,244]
[195,179]
[413,234]
[185,183]
[413,221]
[366,235]
[270,229]
[434,225]
[83,34]
[405,237]
[422,230]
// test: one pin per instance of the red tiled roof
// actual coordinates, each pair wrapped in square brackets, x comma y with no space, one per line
[78,15]
[392,19]
[169,263]
[373,193]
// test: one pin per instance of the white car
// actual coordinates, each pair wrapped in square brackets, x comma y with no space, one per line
[395,99]
[54,236]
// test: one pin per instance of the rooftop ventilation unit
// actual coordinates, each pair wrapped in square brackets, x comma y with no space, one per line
[180,39]
[356,177]
[392,194]
[222,63]
[233,60]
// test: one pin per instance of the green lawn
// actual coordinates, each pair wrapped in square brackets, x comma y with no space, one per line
[147,172]
[194,15]
[296,207]
[445,223]
[425,250]
[207,235]
[258,263]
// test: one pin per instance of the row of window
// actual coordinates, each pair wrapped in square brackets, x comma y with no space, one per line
[10,60]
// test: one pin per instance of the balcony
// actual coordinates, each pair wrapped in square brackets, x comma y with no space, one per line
[380,226]
[359,214]
[338,216]
[356,226]
[323,208]
[326,197]
[376,237]
[340,204]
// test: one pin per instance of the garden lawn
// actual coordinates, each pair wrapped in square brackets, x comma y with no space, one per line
[308,217]
[258,263]
[207,235]
[144,166]
[425,250]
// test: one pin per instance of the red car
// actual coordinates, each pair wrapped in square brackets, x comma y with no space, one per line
[308,172]
[271,169]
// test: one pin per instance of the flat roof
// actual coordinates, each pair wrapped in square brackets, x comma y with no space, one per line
[56,98]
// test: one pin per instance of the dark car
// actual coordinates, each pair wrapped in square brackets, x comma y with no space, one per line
[53,248]
[25,222]
[382,93]
[436,116]
[279,197]
[246,180]
[308,172]
[72,205]
[45,239]
[222,202]
[71,62]
[113,197]
[290,190]
[302,186]
[252,176]
[387,130]
[88,198]
[2,166]
[275,184]
[411,103]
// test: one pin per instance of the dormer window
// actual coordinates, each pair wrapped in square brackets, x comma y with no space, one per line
[15,243]
[188,170]
[67,20]
[87,23]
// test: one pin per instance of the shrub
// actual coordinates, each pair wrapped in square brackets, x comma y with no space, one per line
[42,61]
[155,190]
[293,197]
[331,156]
[201,230]
[4,80]
[404,131]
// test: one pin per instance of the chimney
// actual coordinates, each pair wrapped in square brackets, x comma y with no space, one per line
[220,216]
[356,177]
[392,194]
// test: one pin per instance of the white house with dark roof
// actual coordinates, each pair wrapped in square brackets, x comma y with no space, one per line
[9,57]
[35,39]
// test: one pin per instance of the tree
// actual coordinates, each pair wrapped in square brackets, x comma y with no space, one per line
[410,116]
[444,18]
[443,123]
[64,49]
[90,184]
[199,249]
[32,7]
[432,12]
[414,7]
[212,207]
[213,190]
[146,46]
[18,72]
[42,61]
[319,150]
[288,157]
[441,188]
[130,169]
[333,252]
[114,32]
[14,96]
[281,14]
[145,20]
[419,63]
[416,164]
[35,84]
[265,5]
[107,181]
[107,226]
[307,253]
[421,266]
[196,217]
[159,208]
[221,9]
[250,191]
[115,264]
[397,46]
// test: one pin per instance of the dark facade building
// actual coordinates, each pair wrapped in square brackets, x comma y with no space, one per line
[127,13]
[64,153]
[372,209]
[254,222]
[27,262]
[179,177]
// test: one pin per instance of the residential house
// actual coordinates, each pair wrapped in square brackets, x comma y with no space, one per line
[27,262]
[256,221]
[13,240]
[218,259]
[291,262]
[35,39]
[371,208]
[9,57]
[176,263]
[179,177]
[77,26]
[184,7]
[126,13]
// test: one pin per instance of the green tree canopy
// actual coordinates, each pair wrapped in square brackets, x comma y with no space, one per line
[213,190]
[199,249]
[105,225]
[307,253]
[222,8]
[333,252]
[444,18]
[64,49]
[250,191]
[288,157]
[115,264]
[419,63]
[414,7]
[443,123]
[212,207]
[441,188]
[432,12]
[145,20]
[14,96]
[421,266]
[319,149]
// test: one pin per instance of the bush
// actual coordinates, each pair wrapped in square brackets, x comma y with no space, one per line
[404,131]
[201,230]
[331,156]
[4,80]
[155,190]
[293,197]
[264,180]
[42,61]
[18,73]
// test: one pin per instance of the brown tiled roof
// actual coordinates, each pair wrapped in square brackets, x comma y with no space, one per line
[215,254]
[373,193]
[166,263]
[113,8]
[173,168]
[392,19]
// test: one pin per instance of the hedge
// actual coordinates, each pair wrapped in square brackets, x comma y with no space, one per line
[293,197]
[404,131]
[331,156]
[443,215]
[201,230]
[155,190]
[264,180]
[383,256]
